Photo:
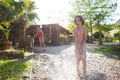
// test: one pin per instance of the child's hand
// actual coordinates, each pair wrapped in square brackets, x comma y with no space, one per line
[80,50]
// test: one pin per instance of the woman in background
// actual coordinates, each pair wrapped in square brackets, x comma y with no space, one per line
[41,37]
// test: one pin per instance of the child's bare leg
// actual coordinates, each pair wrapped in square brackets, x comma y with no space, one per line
[78,68]
[43,43]
[40,43]
[84,66]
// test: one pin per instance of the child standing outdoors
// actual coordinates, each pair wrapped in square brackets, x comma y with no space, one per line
[80,35]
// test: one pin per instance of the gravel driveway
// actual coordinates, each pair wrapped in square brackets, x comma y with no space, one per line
[59,63]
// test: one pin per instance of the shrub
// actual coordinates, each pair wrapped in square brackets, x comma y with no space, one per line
[113,50]
[12,69]
[15,54]
[96,35]
[117,36]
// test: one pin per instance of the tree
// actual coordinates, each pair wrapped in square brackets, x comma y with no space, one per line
[102,12]
[71,27]
[28,13]
[12,11]
[117,36]
[94,11]
[8,14]
[82,7]
[96,35]
[117,24]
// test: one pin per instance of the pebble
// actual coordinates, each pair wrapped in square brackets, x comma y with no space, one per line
[60,64]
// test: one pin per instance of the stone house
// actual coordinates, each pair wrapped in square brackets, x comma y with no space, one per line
[54,34]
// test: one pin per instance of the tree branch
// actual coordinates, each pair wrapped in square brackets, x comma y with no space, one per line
[3,26]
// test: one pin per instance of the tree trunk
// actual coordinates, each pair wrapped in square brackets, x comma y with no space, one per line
[91,40]
[100,37]
[119,41]
[5,45]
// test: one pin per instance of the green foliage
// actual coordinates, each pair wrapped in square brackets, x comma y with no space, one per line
[6,32]
[118,24]
[108,38]
[93,10]
[14,54]
[87,25]
[107,28]
[117,35]
[12,69]
[113,50]
[28,13]
[103,9]
[96,35]
[8,14]
[11,11]
[71,27]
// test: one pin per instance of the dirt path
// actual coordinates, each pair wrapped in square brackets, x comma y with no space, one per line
[58,63]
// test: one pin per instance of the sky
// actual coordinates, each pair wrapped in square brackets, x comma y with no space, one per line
[53,11]
[56,11]
[116,14]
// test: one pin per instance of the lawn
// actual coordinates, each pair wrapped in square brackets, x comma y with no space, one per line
[13,69]
[112,51]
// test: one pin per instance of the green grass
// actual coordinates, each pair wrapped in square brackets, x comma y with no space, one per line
[116,40]
[112,50]
[13,69]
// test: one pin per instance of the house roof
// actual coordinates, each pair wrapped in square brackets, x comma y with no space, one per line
[61,29]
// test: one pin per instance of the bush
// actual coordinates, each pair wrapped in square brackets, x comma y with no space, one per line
[117,36]
[113,50]
[12,69]
[108,39]
[96,35]
[16,54]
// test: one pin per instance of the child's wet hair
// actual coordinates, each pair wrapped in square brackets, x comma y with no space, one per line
[81,19]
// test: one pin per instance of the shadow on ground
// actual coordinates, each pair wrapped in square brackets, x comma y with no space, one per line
[105,50]
[95,76]
[52,49]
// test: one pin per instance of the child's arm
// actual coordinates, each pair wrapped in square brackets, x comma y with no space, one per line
[36,33]
[75,39]
[84,38]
